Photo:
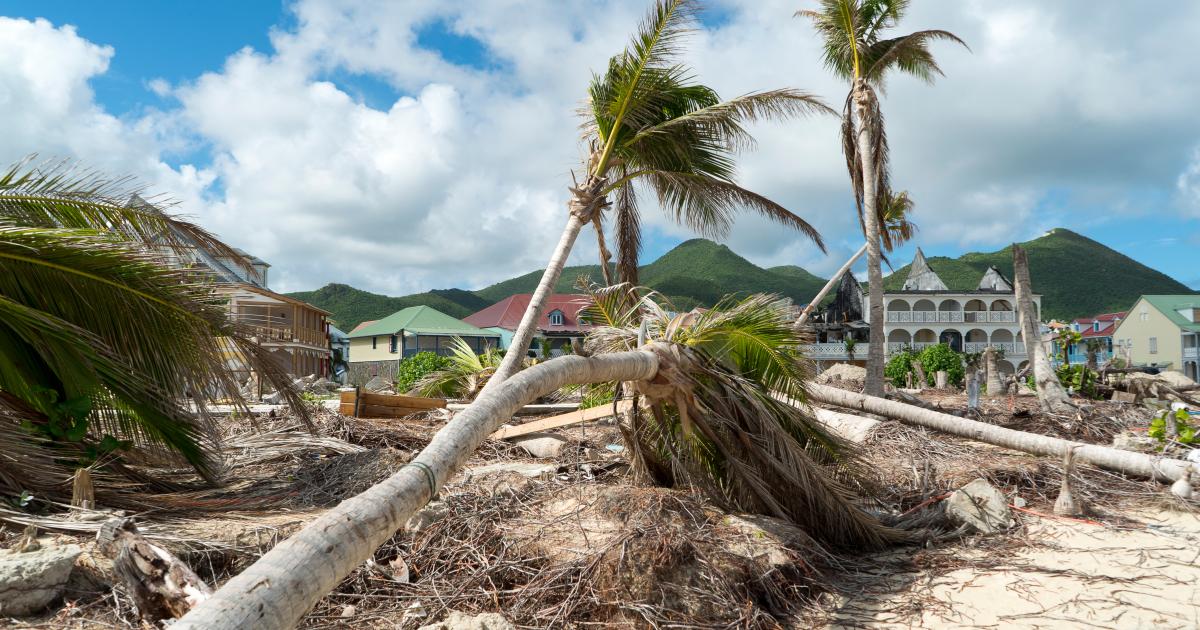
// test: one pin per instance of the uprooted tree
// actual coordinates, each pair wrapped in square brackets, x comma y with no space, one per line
[1050,391]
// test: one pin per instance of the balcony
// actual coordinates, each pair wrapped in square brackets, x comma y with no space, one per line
[1011,348]
[1191,353]
[283,334]
[832,351]
[1078,358]
[951,317]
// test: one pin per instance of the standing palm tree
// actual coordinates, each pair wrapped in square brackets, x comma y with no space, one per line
[648,124]
[855,50]
[106,348]
[897,230]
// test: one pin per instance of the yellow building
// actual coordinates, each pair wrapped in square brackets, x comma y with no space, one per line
[1161,331]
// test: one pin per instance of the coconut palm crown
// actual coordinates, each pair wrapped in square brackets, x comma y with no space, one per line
[652,126]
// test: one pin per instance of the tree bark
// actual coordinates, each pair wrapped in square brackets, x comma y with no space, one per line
[812,305]
[995,386]
[281,587]
[514,357]
[866,151]
[1050,392]
[1126,462]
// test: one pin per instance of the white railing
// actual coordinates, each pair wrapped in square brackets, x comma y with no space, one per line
[1010,348]
[893,347]
[830,350]
[951,317]
[1191,353]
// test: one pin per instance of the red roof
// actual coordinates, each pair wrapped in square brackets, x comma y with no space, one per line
[1108,323]
[366,323]
[507,313]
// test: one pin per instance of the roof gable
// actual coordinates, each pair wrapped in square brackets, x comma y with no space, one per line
[921,277]
[507,313]
[421,320]
[1169,306]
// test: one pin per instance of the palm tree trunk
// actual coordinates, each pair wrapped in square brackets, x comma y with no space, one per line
[994,385]
[1050,392]
[829,286]
[866,152]
[281,587]
[523,337]
[1130,463]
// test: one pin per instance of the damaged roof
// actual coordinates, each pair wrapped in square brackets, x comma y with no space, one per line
[921,277]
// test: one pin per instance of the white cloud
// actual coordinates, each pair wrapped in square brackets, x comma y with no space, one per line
[462,181]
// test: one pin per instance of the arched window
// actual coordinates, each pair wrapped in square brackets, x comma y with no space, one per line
[556,318]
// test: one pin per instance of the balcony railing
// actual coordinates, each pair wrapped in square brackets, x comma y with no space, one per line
[1191,353]
[1010,348]
[266,334]
[951,317]
[831,350]
[1075,358]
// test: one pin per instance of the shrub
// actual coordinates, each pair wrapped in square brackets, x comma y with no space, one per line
[898,366]
[416,367]
[942,357]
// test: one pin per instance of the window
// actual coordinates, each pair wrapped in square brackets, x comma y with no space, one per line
[1154,345]
[393,346]
[1095,326]
[556,318]
[373,342]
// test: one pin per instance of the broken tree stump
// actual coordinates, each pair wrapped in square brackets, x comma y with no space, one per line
[161,585]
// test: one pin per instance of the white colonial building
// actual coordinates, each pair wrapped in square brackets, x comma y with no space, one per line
[925,312]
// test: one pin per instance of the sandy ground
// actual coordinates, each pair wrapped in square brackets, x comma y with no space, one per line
[1070,575]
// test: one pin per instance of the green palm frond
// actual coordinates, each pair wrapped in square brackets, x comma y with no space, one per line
[463,376]
[99,334]
[651,124]
[896,228]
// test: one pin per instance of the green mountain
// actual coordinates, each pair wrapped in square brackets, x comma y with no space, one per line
[696,272]
[352,306]
[1076,276]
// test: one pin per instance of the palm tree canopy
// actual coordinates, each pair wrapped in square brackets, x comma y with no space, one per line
[102,338]
[855,47]
[650,122]
[897,228]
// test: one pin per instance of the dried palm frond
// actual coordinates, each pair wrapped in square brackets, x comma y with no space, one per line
[713,423]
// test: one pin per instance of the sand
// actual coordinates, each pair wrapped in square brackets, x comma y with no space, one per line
[1073,575]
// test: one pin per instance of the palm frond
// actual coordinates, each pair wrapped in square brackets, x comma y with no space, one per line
[63,194]
[909,54]
[464,375]
[706,204]
[895,226]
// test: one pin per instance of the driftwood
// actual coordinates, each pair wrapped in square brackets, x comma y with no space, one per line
[162,586]
[1127,462]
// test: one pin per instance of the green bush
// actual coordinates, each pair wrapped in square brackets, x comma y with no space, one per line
[898,366]
[942,357]
[416,367]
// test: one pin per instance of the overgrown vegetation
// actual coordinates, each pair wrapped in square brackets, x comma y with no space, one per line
[417,367]
[462,374]
[932,359]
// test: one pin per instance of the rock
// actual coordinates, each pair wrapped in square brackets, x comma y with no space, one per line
[426,516]
[462,621]
[348,611]
[273,399]
[771,539]
[842,372]
[981,507]
[376,384]
[29,581]
[546,445]
[1125,397]
[1130,441]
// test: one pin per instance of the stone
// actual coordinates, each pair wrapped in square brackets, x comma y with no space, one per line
[376,384]
[1129,441]
[426,516]
[31,580]
[462,621]
[770,539]
[1124,397]
[981,507]
[842,372]
[543,445]
[526,469]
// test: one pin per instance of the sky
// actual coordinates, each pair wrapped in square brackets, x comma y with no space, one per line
[405,146]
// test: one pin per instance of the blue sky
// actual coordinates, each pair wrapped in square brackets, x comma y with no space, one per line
[445,132]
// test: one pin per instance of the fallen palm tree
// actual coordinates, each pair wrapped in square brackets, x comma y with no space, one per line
[1127,462]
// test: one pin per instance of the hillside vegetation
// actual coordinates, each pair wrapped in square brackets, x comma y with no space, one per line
[1076,276]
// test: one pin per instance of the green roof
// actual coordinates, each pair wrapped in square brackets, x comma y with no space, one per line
[1169,305]
[421,320]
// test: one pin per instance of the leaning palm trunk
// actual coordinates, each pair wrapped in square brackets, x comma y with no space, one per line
[1050,392]
[280,588]
[863,104]
[586,204]
[1127,462]
[833,280]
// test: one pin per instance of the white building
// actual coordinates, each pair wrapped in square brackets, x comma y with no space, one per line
[926,312]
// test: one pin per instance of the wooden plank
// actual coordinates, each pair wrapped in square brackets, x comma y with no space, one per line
[389,400]
[378,411]
[528,410]
[347,397]
[563,420]
[346,408]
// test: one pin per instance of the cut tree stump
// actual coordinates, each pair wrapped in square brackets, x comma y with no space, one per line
[161,585]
